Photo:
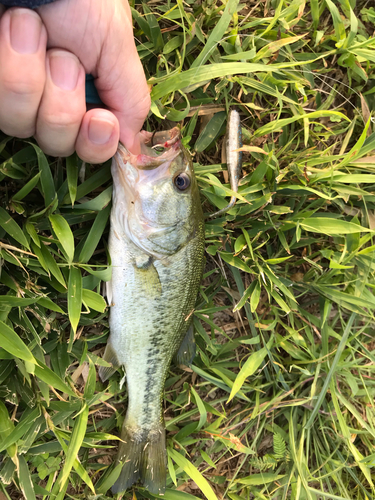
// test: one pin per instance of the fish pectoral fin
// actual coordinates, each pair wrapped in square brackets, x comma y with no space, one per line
[186,352]
[111,357]
[149,281]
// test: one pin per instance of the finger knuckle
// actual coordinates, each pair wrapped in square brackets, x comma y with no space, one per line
[62,120]
[22,88]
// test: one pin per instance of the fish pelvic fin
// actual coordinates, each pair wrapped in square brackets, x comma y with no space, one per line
[187,350]
[144,458]
[111,357]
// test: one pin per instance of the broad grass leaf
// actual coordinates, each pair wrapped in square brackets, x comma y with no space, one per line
[6,428]
[260,479]
[217,33]
[235,261]
[255,296]
[74,297]
[203,74]
[12,228]
[30,228]
[94,235]
[51,265]
[279,124]
[51,378]
[72,176]
[97,204]
[263,88]
[210,132]
[247,55]
[201,408]
[275,46]
[49,304]
[251,365]
[355,179]
[193,473]
[26,484]
[90,382]
[28,417]
[64,234]
[173,44]
[331,226]
[171,470]
[11,342]
[46,179]
[93,300]
[155,31]
[10,300]
[103,274]
[78,467]
[76,440]
[25,190]
[338,23]
[248,292]
[95,181]
[108,479]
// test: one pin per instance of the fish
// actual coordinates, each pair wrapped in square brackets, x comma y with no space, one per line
[156,247]
[233,142]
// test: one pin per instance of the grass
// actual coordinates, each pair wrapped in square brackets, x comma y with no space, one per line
[279,402]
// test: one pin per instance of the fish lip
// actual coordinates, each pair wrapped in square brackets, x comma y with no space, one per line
[148,159]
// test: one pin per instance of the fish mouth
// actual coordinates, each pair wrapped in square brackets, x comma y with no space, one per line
[156,149]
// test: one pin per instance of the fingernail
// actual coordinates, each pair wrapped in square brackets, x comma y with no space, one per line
[64,69]
[100,130]
[25,31]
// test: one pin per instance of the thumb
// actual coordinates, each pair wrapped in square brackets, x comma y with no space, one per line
[121,81]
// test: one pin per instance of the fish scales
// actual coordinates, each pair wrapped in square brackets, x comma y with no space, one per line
[156,246]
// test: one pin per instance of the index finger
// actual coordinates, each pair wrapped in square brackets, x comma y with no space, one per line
[121,81]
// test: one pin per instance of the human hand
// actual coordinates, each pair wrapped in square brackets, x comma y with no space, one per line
[44,55]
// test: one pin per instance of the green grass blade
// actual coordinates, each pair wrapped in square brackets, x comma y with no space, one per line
[64,234]
[46,179]
[74,297]
[248,369]
[332,370]
[94,235]
[76,440]
[72,176]
[24,477]
[12,228]
[217,33]
[193,473]
[11,342]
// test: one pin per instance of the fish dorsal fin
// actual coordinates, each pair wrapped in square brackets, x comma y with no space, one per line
[111,357]
[186,352]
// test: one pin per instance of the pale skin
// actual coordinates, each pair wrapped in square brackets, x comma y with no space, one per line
[44,55]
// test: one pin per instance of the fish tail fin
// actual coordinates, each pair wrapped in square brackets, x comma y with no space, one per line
[143,459]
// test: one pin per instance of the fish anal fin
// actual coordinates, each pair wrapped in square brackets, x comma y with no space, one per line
[144,459]
[111,357]
[186,352]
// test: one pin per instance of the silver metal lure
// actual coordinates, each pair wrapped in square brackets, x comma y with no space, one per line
[234,157]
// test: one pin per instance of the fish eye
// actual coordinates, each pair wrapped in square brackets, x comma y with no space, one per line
[182,181]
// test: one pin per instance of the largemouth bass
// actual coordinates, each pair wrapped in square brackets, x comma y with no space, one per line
[156,246]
